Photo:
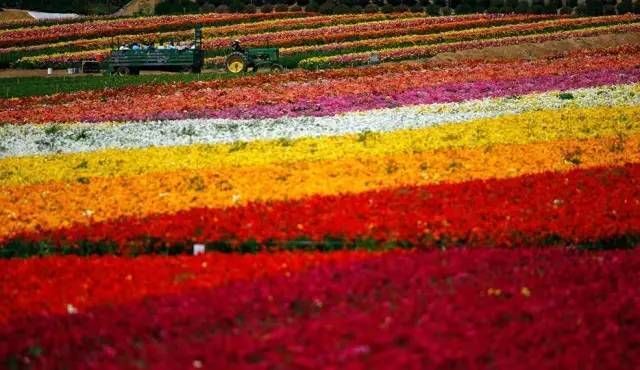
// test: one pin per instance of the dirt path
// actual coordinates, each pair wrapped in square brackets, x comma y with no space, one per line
[134,7]
[14,15]
[32,73]
[538,50]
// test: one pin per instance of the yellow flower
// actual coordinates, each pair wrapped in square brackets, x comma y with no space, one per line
[55,204]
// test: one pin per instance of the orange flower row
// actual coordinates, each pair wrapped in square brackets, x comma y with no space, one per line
[59,204]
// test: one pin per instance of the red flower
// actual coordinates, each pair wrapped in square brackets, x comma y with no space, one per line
[581,206]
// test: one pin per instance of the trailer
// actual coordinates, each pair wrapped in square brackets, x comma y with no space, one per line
[130,61]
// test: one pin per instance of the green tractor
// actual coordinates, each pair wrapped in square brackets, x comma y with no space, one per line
[241,59]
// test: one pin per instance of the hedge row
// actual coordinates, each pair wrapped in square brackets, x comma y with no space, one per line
[19,248]
[431,7]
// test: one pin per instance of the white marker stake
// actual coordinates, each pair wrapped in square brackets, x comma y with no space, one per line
[198,249]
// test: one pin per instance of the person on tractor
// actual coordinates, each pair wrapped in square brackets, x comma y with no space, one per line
[236,47]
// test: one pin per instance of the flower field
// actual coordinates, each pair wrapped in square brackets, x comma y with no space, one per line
[307,41]
[477,214]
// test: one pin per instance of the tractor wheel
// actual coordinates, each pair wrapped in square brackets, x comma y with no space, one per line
[277,68]
[121,71]
[236,63]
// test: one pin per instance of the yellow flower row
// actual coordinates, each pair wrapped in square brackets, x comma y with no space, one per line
[58,204]
[540,126]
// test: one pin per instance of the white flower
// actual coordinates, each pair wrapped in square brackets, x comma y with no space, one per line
[25,140]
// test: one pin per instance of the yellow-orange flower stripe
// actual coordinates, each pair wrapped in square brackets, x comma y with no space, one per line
[58,204]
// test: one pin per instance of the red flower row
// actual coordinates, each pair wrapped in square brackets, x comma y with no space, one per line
[295,86]
[119,26]
[466,309]
[45,286]
[578,206]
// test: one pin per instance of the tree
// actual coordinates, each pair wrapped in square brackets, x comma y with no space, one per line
[593,7]
[523,7]
[312,7]
[482,5]
[327,7]
[176,7]
[625,6]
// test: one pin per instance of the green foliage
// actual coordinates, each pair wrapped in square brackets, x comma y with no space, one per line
[555,4]
[312,7]
[433,10]
[387,9]
[176,7]
[463,8]
[471,4]
[400,8]
[222,8]
[593,7]
[208,8]
[328,7]
[35,86]
[250,8]
[522,8]
[482,5]
[281,8]
[20,248]
[371,8]
[511,3]
[581,10]
[236,6]
[538,9]
[341,9]
[609,9]
[566,10]
[506,9]
[625,6]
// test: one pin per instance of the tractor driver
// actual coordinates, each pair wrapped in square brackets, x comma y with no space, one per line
[235,46]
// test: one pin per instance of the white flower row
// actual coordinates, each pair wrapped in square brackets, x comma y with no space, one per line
[24,140]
